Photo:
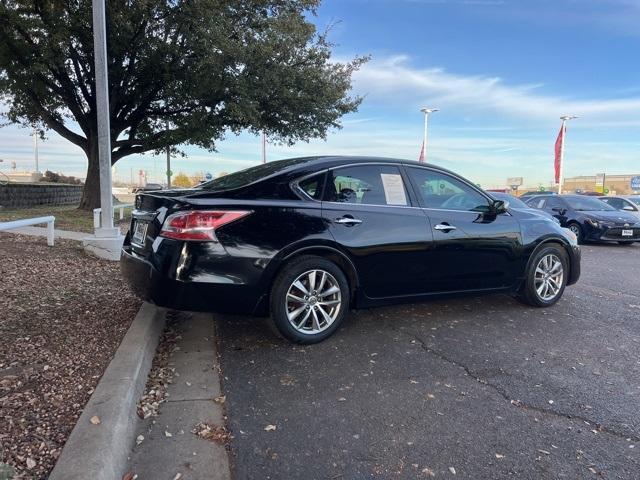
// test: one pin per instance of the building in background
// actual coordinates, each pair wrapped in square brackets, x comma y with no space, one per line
[615,184]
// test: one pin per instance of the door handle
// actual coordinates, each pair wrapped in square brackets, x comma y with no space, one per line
[348,220]
[444,227]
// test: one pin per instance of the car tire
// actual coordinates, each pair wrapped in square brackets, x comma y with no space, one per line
[542,287]
[309,299]
[577,230]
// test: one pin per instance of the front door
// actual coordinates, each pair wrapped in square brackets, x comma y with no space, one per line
[472,248]
[369,213]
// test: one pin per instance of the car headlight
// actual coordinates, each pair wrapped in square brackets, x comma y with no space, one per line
[593,223]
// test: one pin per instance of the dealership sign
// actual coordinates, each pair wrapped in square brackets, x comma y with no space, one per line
[635,182]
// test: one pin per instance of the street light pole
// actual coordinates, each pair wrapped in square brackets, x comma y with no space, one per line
[264,147]
[104,128]
[427,112]
[564,119]
[35,147]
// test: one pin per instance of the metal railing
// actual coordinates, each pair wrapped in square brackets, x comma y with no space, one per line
[27,222]
[98,211]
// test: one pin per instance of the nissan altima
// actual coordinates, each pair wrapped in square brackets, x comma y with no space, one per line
[305,240]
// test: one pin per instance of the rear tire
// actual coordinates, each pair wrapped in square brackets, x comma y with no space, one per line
[577,230]
[309,299]
[546,277]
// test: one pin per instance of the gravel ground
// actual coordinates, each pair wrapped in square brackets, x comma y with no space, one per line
[63,316]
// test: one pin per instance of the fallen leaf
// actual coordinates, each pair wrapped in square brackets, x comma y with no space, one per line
[452,470]
[270,428]
[428,472]
[31,463]
[167,434]
[220,399]
[430,396]
[139,439]
[499,456]
[129,476]
[95,420]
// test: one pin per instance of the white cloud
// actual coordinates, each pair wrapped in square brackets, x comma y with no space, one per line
[394,80]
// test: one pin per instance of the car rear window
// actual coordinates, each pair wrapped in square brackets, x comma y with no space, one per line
[249,175]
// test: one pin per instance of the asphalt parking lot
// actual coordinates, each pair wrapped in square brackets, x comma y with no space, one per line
[481,388]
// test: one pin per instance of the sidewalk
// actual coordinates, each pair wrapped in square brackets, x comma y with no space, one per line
[42,232]
[170,449]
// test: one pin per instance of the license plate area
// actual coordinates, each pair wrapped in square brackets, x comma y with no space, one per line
[139,232]
[627,233]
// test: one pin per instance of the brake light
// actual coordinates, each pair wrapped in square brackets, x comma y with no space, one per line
[198,224]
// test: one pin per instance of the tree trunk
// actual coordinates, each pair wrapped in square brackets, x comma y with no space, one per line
[91,192]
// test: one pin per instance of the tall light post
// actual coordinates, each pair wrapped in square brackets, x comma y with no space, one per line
[35,148]
[264,147]
[561,138]
[427,112]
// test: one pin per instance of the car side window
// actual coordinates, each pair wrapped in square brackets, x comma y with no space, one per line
[553,202]
[538,203]
[441,191]
[312,186]
[367,185]
[615,202]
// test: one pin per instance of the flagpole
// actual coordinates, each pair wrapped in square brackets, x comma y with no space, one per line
[564,119]
[426,112]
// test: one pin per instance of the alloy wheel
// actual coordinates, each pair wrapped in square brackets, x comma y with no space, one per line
[575,229]
[313,301]
[548,277]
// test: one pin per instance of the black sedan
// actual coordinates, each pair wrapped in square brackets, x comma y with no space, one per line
[306,239]
[514,203]
[589,218]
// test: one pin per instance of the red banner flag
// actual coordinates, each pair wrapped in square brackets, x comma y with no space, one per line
[558,159]
[421,157]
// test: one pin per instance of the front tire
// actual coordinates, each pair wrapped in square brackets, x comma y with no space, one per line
[577,231]
[546,277]
[309,299]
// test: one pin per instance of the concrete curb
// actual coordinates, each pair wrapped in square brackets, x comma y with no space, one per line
[100,452]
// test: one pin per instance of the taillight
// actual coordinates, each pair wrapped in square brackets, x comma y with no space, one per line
[198,224]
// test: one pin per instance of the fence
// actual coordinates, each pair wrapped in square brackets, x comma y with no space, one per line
[26,222]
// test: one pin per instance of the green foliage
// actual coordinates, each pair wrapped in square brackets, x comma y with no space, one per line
[181,72]
[53,177]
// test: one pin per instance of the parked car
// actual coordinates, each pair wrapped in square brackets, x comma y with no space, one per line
[630,203]
[534,193]
[516,204]
[149,187]
[590,218]
[294,239]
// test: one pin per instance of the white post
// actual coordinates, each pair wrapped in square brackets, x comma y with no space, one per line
[96,218]
[564,119]
[426,112]
[102,105]
[35,148]
[264,147]
[50,232]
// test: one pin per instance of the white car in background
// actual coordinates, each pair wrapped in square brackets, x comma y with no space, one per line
[627,203]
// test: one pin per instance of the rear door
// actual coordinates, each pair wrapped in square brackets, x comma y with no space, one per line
[368,211]
[472,249]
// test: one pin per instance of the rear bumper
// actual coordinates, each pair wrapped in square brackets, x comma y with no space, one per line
[155,287]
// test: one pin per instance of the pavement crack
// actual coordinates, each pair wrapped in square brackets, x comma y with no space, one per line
[515,402]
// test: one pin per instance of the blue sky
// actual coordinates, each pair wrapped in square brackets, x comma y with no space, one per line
[501,71]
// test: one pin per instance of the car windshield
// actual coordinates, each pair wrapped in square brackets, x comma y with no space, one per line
[248,175]
[589,204]
[514,202]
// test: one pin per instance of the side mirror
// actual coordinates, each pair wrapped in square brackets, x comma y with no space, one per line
[628,208]
[559,210]
[499,206]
